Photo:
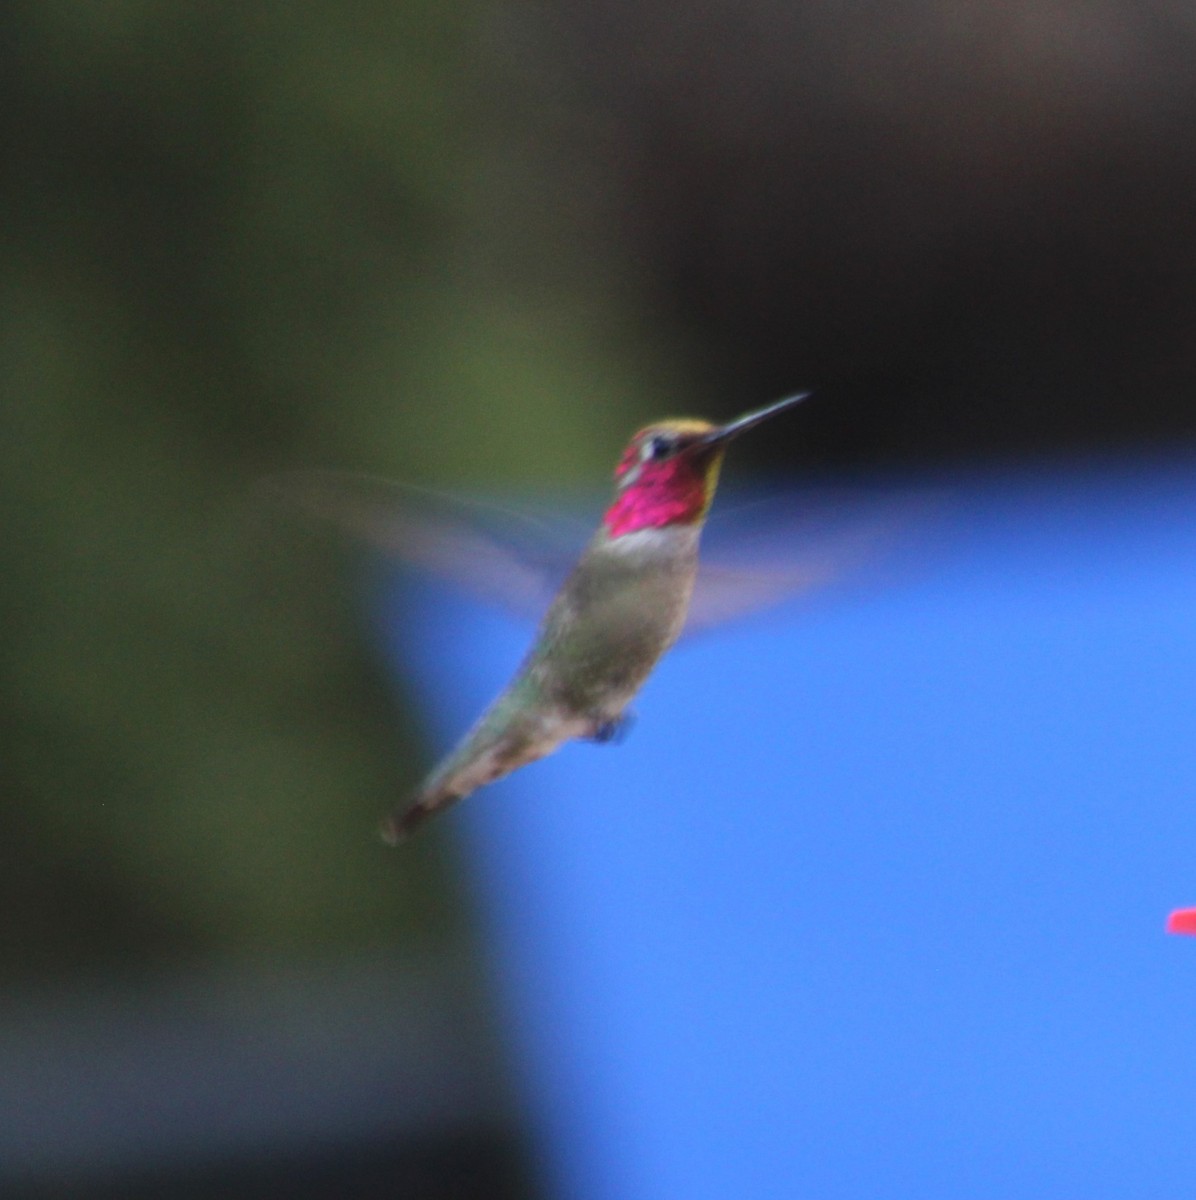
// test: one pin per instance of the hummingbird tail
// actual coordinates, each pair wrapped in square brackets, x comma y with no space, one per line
[495,747]
[403,822]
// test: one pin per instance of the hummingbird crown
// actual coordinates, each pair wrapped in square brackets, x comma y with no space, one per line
[667,476]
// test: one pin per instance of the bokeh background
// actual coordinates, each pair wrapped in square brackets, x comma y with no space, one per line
[472,245]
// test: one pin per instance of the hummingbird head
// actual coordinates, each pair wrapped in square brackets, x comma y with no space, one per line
[669,471]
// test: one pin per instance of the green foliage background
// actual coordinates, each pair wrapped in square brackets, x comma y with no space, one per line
[239,239]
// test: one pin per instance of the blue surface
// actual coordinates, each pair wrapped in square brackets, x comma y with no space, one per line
[871,901]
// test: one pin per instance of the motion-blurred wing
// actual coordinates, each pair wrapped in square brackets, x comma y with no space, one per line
[724,594]
[763,554]
[509,558]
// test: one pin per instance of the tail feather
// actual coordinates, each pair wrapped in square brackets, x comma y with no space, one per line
[492,749]
[403,822]
[481,759]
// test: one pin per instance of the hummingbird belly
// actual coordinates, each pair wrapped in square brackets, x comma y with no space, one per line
[617,614]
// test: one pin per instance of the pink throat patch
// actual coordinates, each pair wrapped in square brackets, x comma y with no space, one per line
[666,493]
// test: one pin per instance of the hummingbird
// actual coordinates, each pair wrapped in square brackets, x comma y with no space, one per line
[622,606]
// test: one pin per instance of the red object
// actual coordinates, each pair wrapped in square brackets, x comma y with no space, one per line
[675,491]
[1182,920]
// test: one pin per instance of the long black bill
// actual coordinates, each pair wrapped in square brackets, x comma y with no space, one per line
[724,433]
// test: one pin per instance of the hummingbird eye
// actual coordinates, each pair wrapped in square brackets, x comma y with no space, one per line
[659,446]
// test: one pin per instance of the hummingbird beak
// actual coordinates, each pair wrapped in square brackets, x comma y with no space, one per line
[724,433]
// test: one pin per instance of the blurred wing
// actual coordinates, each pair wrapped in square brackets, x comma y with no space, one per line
[512,559]
[723,594]
[768,552]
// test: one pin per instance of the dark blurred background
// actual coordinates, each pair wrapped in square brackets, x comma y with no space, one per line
[475,245]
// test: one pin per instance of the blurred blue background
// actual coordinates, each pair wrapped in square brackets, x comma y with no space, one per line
[875,892]
[475,246]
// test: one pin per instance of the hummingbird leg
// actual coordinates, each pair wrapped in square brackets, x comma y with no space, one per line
[614,730]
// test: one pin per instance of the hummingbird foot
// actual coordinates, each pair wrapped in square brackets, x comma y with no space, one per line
[615,730]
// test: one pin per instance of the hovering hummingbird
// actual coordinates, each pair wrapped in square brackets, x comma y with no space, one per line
[622,606]
[624,603]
